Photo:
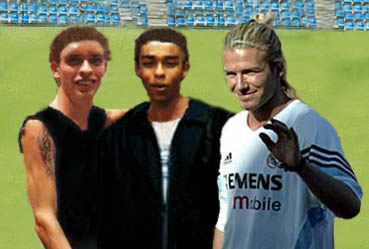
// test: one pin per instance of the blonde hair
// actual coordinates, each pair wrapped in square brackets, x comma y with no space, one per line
[258,33]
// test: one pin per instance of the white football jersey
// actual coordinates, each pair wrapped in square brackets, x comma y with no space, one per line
[262,205]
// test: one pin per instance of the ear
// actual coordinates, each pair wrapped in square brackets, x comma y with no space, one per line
[186,67]
[55,70]
[106,67]
[137,69]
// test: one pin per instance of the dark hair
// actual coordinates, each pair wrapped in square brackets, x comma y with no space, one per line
[162,35]
[76,34]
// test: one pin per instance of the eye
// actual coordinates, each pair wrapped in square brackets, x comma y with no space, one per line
[170,64]
[147,63]
[96,60]
[230,74]
[74,60]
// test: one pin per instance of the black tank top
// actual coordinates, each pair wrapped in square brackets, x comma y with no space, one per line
[76,172]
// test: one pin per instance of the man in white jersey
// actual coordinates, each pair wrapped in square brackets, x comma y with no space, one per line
[160,163]
[283,172]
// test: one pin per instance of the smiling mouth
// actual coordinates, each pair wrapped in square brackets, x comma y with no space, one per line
[85,82]
[159,87]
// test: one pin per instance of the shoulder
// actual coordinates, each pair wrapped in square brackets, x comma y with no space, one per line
[235,121]
[34,133]
[113,115]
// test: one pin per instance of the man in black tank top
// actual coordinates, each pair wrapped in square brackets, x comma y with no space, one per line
[59,142]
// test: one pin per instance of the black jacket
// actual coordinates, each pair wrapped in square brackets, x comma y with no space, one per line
[132,208]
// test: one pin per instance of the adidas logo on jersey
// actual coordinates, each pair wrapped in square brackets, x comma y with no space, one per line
[228,158]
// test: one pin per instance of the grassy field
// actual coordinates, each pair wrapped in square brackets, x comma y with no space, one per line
[329,70]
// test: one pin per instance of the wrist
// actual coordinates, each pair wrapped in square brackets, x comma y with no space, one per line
[297,168]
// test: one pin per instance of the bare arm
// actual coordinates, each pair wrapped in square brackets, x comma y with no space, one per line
[218,239]
[336,195]
[39,152]
[113,115]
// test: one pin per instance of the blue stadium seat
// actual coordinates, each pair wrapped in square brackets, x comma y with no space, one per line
[210,21]
[114,3]
[100,9]
[338,6]
[246,13]
[277,23]
[309,6]
[349,26]
[73,11]
[33,7]
[13,7]
[134,15]
[358,8]
[3,7]
[285,15]
[114,10]
[264,7]
[53,2]
[43,19]
[349,16]
[23,7]
[91,18]
[312,22]
[63,10]
[221,21]
[115,19]
[243,19]
[277,15]
[341,23]
[209,5]
[91,8]
[275,7]
[171,21]
[198,5]
[228,5]
[170,9]
[304,21]
[366,8]
[179,12]
[63,19]
[107,19]
[181,22]
[347,8]
[360,26]
[239,11]
[310,13]
[4,17]
[359,16]
[367,26]
[339,13]
[187,4]
[219,6]
[35,18]
[100,18]
[143,10]
[74,19]
[249,3]
[74,2]
[199,20]
[190,21]
[63,2]
[53,19]
[358,1]
[14,18]
[239,4]
[125,6]
[347,1]
[24,18]
[53,11]
[296,15]
[231,21]
[298,6]
[286,22]
[285,6]
[366,16]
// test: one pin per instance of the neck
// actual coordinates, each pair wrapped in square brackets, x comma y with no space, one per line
[167,111]
[262,115]
[76,110]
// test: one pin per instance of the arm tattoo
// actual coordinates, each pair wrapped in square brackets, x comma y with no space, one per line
[47,152]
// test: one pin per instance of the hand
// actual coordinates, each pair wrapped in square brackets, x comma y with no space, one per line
[286,149]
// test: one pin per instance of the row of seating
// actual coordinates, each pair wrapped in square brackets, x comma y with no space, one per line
[354,1]
[231,21]
[352,8]
[350,25]
[75,2]
[43,9]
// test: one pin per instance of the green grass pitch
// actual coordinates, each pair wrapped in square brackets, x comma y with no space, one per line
[329,70]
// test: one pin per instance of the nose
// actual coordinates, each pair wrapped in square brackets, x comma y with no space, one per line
[240,81]
[86,67]
[159,70]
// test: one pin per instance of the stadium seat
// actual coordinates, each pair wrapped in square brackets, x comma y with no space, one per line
[358,1]
[228,5]
[277,23]
[134,15]
[14,18]
[347,1]
[366,8]
[23,7]
[181,22]
[246,13]
[33,7]
[24,18]
[171,21]
[35,18]
[91,8]
[341,23]
[13,8]
[310,13]
[74,2]
[179,12]
[114,3]
[239,11]
[309,6]
[243,19]
[296,15]
[63,10]
[275,7]
[43,19]
[125,6]
[366,16]
[63,2]
[115,19]
[358,8]
[53,11]
[264,7]
[187,4]
[170,9]
[4,17]
[209,5]
[100,18]
[338,6]
[277,15]
[63,20]
[339,13]
[312,22]
[231,21]
[296,22]
[198,5]
[285,6]
[3,7]
[74,19]
[114,10]
[73,11]
[249,3]
[367,26]
[190,21]
[221,21]
[143,10]
[285,15]
[359,16]
[199,21]
[349,26]
[349,16]
[210,21]
[298,6]
[304,21]
[100,9]
[239,4]
[360,26]
[219,6]
[53,19]
[286,22]
[53,2]
[107,19]
[347,8]
[91,18]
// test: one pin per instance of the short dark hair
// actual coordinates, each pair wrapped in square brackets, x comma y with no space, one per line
[162,35]
[77,34]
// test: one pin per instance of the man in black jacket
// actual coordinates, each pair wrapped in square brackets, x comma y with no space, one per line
[160,162]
